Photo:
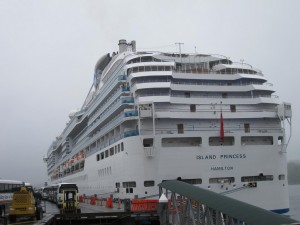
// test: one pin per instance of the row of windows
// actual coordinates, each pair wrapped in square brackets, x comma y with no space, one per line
[215,180]
[180,128]
[216,141]
[110,152]
[148,68]
[7,188]
[105,171]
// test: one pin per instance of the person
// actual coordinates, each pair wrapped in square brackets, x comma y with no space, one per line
[38,197]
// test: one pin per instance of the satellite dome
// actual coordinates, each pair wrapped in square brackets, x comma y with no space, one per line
[72,113]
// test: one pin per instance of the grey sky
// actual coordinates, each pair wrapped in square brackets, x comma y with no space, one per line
[48,50]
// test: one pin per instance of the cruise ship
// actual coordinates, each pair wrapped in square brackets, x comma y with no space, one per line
[153,116]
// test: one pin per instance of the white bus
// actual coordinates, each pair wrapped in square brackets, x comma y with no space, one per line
[7,187]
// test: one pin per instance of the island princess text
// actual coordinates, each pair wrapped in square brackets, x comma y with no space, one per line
[227,156]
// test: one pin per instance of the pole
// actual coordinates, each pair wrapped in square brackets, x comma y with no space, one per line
[153,117]
[179,44]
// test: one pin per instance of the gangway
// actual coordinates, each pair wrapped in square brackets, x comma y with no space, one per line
[189,204]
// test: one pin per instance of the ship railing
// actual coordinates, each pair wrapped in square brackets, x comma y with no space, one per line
[199,83]
[118,137]
[213,130]
[157,109]
[110,124]
[110,85]
[194,69]
[204,96]
[158,68]
[109,110]
[107,103]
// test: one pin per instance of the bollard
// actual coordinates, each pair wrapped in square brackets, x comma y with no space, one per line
[119,203]
[109,203]
[101,199]
[163,210]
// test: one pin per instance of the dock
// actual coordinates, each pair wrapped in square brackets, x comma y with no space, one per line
[180,204]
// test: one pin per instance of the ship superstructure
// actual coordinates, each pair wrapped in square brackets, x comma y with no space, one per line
[155,116]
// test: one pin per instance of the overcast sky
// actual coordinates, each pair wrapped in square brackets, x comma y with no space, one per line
[48,50]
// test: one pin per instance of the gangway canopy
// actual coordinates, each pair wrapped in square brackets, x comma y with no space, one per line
[240,210]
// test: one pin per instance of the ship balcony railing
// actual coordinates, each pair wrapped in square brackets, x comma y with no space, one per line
[151,68]
[104,101]
[204,96]
[127,100]
[108,88]
[122,77]
[213,130]
[157,109]
[108,126]
[199,83]
[131,133]
[131,113]
[102,107]
[124,89]
[118,137]
[108,111]
[193,69]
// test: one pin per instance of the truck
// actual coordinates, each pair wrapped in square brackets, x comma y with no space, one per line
[24,204]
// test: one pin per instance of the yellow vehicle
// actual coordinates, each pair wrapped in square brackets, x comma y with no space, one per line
[69,199]
[24,205]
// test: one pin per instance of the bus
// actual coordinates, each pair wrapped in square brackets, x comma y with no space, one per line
[7,187]
[54,193]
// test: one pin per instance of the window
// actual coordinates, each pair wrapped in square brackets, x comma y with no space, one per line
[148,142]
[180,128]
[281,177]
[111,151]
[260,177]
[106,153]
[193,108]
[280,140]
[257,140]
[98,157]
[181,142]
[122,146]
[192,181]
[221,180]
[117,185]
[187,94]
[129,186]
[233,108]
[118,147]
[129,190]
[224,95]
[102,155]
[216,141]
[247,127]
[149,183]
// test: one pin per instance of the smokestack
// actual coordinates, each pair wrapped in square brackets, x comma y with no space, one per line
[133,46]
[122,46]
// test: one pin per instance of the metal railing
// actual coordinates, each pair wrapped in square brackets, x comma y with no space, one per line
[197,206]
[193,69]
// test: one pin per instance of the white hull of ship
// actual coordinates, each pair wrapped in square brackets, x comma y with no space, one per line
[203,161]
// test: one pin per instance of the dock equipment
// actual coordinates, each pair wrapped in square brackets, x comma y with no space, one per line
[24,205]
[194,205]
